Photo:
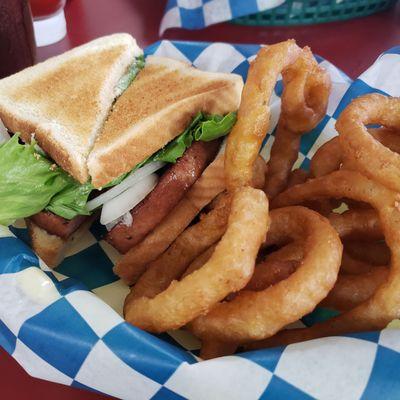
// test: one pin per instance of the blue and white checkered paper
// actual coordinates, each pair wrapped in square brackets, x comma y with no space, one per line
[197,14]
[65,325]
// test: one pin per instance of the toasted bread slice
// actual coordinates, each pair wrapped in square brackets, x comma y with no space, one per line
[65,100]
[157,107]
[51,248]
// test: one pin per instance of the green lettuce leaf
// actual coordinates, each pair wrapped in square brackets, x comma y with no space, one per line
[175,149]
[215,127]
[128,78]
[71,201]
[203,128]
[28,181]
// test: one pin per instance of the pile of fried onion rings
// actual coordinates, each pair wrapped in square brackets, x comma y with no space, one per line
[259,260]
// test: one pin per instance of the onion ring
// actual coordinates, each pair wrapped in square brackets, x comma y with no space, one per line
[229,269]
[293,251]
[284,153]
[375,253]
[349,224]
[213,349]
[305,98]
[351,290]
[389,138]
[188,245]
[357,224]
[254,113]
[268,273]
[382,307]
[259,171]
[275,267]
[304,103]
[352,266]
[198,262]
[329,157]
[296,177]
[256,315]
[369,156]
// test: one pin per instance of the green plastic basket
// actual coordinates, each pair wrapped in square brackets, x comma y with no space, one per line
[303,12]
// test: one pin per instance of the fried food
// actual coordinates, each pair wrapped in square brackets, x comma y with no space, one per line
[188,245]
[387,137]
[357,224]
[259,171]
[375,253]
[296,177]
[352,290]
[328,158]
[293,251]
[198,262]
[382,306]
[254,113]
[229,269]
[268,273]
[369,156]
[213,349]
[253,122]
[255,315]
[352,266]
[304,101]
[284,153]
[275,267]
[242,273]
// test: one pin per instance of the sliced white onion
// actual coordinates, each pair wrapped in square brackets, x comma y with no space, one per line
[128,182]
[126,219]
[123,203]
[4,135]
[223,146]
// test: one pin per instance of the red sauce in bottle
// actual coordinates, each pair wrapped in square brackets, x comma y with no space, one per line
[45,8]
[17,40]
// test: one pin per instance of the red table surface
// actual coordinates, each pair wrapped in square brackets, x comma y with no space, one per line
[351,45]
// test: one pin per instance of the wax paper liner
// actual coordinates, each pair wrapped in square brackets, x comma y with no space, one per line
[57,324]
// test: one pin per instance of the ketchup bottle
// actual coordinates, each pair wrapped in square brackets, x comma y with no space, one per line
[17,40]
[46,8]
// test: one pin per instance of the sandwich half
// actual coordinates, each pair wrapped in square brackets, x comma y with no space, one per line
[98,131]
[173,117]
[55,110]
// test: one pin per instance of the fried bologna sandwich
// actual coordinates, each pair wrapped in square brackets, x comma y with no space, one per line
[101,131]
